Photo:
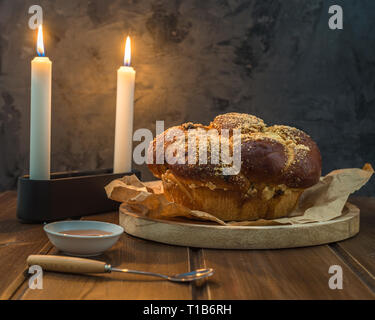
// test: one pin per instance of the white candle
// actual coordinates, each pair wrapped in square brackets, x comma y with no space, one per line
[40,122]
[124,115]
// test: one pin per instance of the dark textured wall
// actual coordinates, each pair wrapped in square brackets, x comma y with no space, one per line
[276,59]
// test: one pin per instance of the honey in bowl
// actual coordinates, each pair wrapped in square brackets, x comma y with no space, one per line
[86,232]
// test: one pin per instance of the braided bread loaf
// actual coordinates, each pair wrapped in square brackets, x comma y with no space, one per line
[277,164]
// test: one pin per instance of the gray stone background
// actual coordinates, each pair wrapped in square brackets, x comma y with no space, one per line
[276,59]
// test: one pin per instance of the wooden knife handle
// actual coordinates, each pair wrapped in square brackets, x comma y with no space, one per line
[68,264]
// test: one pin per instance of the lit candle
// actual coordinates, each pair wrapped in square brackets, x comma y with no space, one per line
[124,115]
[40,118]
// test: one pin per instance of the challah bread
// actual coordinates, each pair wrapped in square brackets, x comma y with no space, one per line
[277,164]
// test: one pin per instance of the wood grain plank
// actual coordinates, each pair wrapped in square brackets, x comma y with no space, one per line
[264,274]
[17,241]
[199,289]
[360,250]
[129,252]
[280,274]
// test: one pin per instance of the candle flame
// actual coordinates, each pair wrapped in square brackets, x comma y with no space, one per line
[127,56]
[40,44]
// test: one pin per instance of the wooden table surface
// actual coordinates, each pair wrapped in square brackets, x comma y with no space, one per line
[240,274]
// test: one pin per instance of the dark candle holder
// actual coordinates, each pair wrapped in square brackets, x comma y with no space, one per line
[66,195]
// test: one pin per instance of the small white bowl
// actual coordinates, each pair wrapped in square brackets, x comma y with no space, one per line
[79,245]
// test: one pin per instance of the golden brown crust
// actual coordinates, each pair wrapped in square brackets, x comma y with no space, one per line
[262,202]
[246,122]
[276,154]
[277,164]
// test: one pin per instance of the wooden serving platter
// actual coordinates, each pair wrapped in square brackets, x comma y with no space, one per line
[209,235]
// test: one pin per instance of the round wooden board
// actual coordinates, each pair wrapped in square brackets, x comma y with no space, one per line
[241,237]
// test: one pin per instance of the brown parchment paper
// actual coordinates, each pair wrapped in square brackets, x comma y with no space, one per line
[321,202]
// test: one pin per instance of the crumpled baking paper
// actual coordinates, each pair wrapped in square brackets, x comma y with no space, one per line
[321,202]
